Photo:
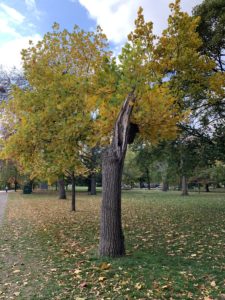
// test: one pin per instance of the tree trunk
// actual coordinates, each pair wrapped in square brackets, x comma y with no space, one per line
[62,191]
[111,234]
[15,186]
[73,207]
[89,184]
[165,186]
[207,187]
[93,184]
[148,179]
[184,186]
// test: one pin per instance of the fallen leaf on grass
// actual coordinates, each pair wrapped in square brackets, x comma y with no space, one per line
[167,286]
[83,284]
[101,278]
[105,266]
[16,294]
[213,283]
[139,286]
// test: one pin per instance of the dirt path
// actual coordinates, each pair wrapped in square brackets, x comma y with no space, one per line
[3,200]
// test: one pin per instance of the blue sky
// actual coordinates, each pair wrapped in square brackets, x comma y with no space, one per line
[24,20]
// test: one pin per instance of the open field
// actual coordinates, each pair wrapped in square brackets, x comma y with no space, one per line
[175,248]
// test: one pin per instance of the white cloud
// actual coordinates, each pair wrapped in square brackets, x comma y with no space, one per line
[15,33]
[9,20]
[12,14]
[10,51]
[5,28]
[32,7]
[116,17]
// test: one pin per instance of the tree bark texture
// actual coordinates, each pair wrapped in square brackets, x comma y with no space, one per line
[73,203]
[184,186]
[111,233]
[62,191]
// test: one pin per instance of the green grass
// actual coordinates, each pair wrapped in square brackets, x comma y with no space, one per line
[175,248]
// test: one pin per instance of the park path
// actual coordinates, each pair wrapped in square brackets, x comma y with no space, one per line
[3,201]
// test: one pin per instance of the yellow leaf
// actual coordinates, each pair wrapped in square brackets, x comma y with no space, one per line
[139,286]
[101,278]
[105,266]
[213,283]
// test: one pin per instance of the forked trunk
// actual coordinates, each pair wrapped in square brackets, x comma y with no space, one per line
[184,186]
[73,206]
[62,191]
[111,234]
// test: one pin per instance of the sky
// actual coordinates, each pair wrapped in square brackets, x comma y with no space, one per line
[24,20]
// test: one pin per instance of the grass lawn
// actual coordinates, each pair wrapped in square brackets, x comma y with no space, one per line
[175,248]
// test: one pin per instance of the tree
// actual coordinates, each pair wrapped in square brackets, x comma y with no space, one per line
[9,175]
[131,171]
[49,122]
[212,31]
[218,173]
[81,96]
[150,104]
[211,111]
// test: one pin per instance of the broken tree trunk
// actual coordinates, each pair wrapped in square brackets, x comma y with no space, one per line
[111,233]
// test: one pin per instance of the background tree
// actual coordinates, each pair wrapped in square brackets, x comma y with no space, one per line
[131,171]
[50,122]
[212,31]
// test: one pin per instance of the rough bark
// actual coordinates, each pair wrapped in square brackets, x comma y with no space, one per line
[111,234]
[73,203]
[184,186]
[62,191]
